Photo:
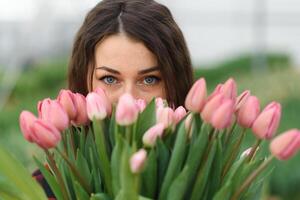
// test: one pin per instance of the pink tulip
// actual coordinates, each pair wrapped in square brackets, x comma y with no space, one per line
[81,117]
[151,134]
[286,144]
[248,112]
[45,134]
[137,161]
[248,151]
[127,111]
[267,122]
[67,100]
[196,97]
[241,99]
[53,112]
[165,116]
[26,119]
[222,117]
[141,104]
[211,106]
[216,91]
[229,89]
[96,106]
[105,100]
[179,113]
[159,102]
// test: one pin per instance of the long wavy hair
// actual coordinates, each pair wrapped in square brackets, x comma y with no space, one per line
[145,20]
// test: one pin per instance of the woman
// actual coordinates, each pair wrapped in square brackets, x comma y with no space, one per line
[132,46]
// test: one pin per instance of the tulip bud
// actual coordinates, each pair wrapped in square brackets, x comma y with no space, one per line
[67,100]
[53,112]
[105,100]
[286,144]
[241,99]
[222,117]
[81,117]
[188,123]
[216,91]
[248,151]
[159,102]
[210,107]
[96,106]
[165,116]
[137,161]
[196,97]
[151,134]
[26,119]
[141,104]
[267,122]
[45,134]
[248,112]
[229,89]
[127,110]
[179,113]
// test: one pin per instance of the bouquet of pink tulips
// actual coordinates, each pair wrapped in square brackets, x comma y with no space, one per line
[136,151]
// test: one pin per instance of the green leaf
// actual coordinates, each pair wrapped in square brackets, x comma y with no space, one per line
[149,176]
[13,170]
[9,190]
[177,188]
[115,164]
[224,193]
[97,183]
[176,162]
[145,121]
[50,180]
[83,167]
[103,156]
[80,192]
[203,174]
[163,158]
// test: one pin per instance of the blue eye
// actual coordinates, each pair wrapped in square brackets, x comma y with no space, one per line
[150,80]
[109,80]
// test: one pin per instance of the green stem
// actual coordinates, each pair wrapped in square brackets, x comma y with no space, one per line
[57,173]
[233,154]
[76,172]
[72,141]
[229,132]
[251,178]
[253,149]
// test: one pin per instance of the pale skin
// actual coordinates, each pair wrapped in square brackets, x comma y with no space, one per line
[124,65]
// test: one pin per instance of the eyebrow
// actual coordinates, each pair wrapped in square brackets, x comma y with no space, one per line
[141,72]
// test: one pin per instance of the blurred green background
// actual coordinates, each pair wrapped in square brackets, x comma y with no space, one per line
[279,81]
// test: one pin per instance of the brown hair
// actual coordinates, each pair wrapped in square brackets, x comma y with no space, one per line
[145,20]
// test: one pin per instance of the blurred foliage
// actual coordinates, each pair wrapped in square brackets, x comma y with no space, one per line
[279,82]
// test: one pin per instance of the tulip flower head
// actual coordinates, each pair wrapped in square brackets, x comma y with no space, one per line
[222,117]
[229,89]
[26,119]
[67,99]
[53,112]
[141,104]
[196,97]
[151,134]
[267,122]
[137,161]
[81,117]
[45,134]
[211,106]
[127,111]
[241,99]
[286,144]
[96,106]
[165,116]
[179,114]
[248,112]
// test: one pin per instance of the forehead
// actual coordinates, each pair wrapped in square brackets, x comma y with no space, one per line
[124,53]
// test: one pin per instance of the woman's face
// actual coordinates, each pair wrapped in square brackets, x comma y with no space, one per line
[124,65]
